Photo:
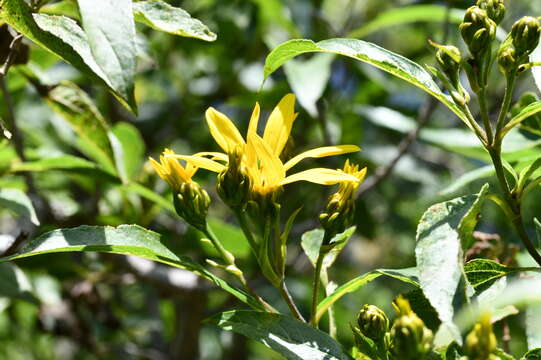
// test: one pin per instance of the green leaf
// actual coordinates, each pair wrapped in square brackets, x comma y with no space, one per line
[231,237]
[129,149]
[452,352]
[482,273]
[503,355]
[311,243]
[534,354]
[59,35]
[18,202]
[110,30]
[533,326]
[524,114]
[126,240]
[408,275]
[422,307]
[15,284]
[367,52]
[164,17]
[76,107]
[289,337]
[151,195]
[445,230]
[406,15]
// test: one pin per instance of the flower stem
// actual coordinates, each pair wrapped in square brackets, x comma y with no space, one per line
[484,114]
[289,301]
[228,258]
[315,288]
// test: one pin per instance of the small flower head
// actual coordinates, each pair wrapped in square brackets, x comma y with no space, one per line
[495,9]
[525,34]
[478,31]
[340,206]
[190,200]
[410,339]
[372,322]
[171,171]
[481,341]
[448,58]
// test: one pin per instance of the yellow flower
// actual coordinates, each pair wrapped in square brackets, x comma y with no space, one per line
[261,155]
[171,171]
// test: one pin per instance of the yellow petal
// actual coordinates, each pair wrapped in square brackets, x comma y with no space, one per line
[213,155]
[202,162]
[268,167]
[321,152]
[321,176]
[223,131]
[254,119]
[279,124]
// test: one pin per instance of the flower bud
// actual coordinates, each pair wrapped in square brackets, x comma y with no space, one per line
[233,184]
[481,341]
[525,34]
[372,322]
[448,58]
[340,207]
[495,9]
[410,339]
[478,31]
[192,203]
[507,59]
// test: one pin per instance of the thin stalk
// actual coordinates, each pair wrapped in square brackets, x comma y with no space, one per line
[228,258]
[290,302]
[484,114]
[243,222]
[315,288]
[510,85]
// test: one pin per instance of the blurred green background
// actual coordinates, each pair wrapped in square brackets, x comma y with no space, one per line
[100,306]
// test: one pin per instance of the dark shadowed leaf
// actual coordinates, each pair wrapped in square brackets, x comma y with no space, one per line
[18,202]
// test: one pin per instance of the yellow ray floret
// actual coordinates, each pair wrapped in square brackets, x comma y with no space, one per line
[261,155]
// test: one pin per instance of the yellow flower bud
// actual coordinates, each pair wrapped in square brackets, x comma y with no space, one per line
[478,31]
[233,184]
[495,9]
[481,341]
[525,34]
[372,322]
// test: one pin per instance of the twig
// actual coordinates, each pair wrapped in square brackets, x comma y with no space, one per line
[290,303]
[383,172]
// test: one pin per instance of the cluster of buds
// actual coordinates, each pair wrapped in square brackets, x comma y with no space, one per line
[481,342]
[410,338]
[191,201]
[519,44]
[233,185]
[478,31]
[340,207]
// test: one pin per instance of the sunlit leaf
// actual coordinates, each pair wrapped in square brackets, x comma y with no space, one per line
[18,202]
[126,240]
[289,337]
[161,16]
[445,230]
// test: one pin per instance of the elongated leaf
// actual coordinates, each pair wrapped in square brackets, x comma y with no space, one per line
[59,35]
[311,243]
[443,231]
[406,275]
[55,163]
[18,202]
[164,17]
[110,30]
[406,15]
[467,178]
[289,337]
[533,326]
[126,240]
[482,273]
[76,107]
[367,52]
[525,113]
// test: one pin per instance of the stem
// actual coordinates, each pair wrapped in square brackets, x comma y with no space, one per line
[315,288]
[510,85]
[494,149]
[482,96]
[243,222]
[230,261]
[289,301]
